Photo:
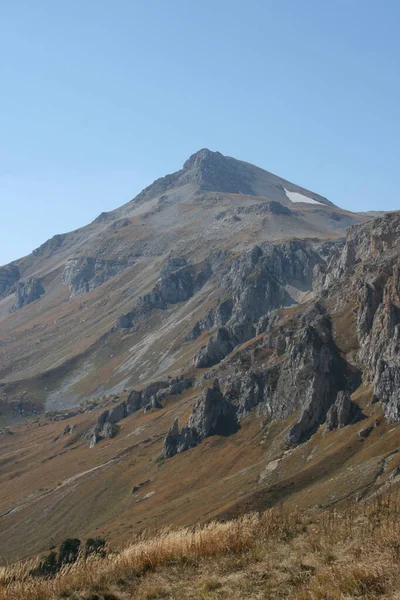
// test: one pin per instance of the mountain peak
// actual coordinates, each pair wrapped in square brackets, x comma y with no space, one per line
[200,157]
[208,171]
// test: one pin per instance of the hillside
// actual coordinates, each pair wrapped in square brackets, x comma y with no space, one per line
[58,306]
[275,554]
[223,343]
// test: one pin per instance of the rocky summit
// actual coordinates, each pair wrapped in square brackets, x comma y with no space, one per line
[223,342]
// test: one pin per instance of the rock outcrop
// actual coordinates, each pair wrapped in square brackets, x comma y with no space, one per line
[225,340]
[212,414]
[9,275]
[27,292]
[177,283]
[86,273]
[302,370]
[342,412]
[150,397]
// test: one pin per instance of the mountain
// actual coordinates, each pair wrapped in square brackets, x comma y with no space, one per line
[224,342]
[59,305]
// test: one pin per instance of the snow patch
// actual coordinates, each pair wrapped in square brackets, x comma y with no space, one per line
[296,197]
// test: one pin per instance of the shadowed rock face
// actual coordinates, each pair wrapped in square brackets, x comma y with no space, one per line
[212,414]
[343,412]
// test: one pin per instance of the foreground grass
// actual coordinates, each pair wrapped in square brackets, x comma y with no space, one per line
[335,555]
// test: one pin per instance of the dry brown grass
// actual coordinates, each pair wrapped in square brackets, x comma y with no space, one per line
[354,553]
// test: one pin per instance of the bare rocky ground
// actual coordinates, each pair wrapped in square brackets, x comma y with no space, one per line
[219,344]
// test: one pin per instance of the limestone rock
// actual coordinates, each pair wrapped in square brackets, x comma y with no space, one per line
[342,412]
[9,275]
[177,283]
[217,348]
[117,413]
[212,414]
[27,292]
[86,273]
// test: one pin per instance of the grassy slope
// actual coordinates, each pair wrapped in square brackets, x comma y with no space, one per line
[275,554]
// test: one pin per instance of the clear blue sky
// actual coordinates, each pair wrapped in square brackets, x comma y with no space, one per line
[98,98]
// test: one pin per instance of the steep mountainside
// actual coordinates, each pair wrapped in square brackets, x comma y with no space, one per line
[219,337]
[152,269]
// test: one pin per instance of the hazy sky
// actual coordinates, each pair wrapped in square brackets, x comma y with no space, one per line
[98,98]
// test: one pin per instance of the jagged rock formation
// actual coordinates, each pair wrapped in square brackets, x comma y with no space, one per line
[368,268]
[27,292]
[86,273]
[9,275]
[308,376]
[216,317]
[342,412]
[259,281]
[223,343]
[211,414]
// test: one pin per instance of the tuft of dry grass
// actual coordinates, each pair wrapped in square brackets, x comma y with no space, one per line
[354,553]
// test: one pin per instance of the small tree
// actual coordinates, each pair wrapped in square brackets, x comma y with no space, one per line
[69,551]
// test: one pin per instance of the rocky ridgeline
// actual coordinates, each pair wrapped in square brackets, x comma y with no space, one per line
[83,274]
[151,397]
[177,283]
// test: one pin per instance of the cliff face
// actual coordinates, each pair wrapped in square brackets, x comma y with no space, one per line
[304,371]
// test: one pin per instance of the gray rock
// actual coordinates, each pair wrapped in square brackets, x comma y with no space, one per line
[124,321]
[86,273]
[109,430]
[364,433]
[216,317]
[133,402]
[9,275]
[387,389]
[95,437]
[117,413]
[27,292]
[342,412]
[212,414]
[178,441]
[217,349]
[177,283]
